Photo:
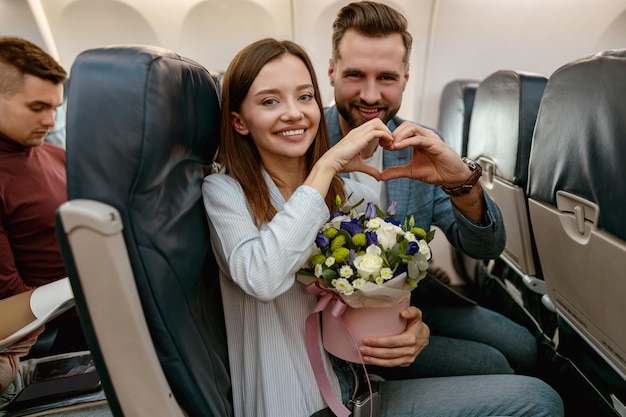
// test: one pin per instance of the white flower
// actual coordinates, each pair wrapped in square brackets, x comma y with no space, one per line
[373,250]
[356,264]
[386,273]
[345,271]
[369,264]
[424,249]
[358,283]
[374,223]
[387,235]
[343,286]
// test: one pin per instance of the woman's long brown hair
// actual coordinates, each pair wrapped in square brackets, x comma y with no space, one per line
[238,153]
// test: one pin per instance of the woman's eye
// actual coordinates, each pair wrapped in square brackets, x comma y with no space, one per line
[269,102]
[306,97]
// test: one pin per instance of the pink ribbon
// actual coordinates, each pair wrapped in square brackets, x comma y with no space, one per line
[315,351]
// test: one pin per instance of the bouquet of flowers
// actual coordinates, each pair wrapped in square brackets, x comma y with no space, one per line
[368,263]
[369,259]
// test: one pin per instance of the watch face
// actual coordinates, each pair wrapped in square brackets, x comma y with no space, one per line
[473,165]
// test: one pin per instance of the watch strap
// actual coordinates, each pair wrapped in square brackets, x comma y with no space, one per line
[466,187]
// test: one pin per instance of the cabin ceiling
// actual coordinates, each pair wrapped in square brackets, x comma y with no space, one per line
[452,38]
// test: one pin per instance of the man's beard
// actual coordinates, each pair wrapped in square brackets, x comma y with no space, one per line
[345,110]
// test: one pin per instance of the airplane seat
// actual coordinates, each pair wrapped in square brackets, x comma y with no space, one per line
[500,136]
[142,130]
[218,79]
[577,195]
[455,110]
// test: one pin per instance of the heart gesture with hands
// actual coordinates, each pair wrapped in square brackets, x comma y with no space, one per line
[432,161]
[347,154]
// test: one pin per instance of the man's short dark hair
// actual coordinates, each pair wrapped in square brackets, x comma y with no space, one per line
[19,57]
[371,19]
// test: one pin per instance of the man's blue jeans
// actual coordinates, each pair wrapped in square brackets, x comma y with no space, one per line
[469,340]
[462,396]
[470,396]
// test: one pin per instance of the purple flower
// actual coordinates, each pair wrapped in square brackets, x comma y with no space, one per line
[370,211]
[372,238]
[392,209]
[351,257]
[353,227]
[321,241]
[393,221]
[412,249]
[400,269]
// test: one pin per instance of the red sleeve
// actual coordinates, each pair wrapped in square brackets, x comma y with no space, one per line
[11,282]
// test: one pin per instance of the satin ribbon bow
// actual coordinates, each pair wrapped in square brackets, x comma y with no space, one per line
[314,350]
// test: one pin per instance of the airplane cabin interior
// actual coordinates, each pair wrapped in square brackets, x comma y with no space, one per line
[534,91]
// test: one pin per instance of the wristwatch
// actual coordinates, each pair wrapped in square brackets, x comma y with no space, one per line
[467,186]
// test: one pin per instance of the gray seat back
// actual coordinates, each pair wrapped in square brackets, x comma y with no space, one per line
[503,120]
[455,111]
[577,195]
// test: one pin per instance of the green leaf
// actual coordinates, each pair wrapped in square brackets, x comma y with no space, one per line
[329,275]
[411,282]
[421,261]
[350,208]
[413,270]
[422,265]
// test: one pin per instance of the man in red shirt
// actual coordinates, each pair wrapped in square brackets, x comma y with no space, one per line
[32,173]
[32,183]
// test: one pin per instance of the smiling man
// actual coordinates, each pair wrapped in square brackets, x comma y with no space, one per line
[369,70]
[32,173]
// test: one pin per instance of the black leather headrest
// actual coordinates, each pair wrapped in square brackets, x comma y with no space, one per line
[503,119]
[142,129]
[580,138]
[455,110]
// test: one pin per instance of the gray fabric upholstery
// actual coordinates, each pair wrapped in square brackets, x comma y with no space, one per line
[142,130]
[500,137]
[503,120]
[455,110]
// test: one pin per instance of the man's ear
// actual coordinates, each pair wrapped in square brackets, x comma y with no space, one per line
[406,75]
[331,72]
[238,124]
